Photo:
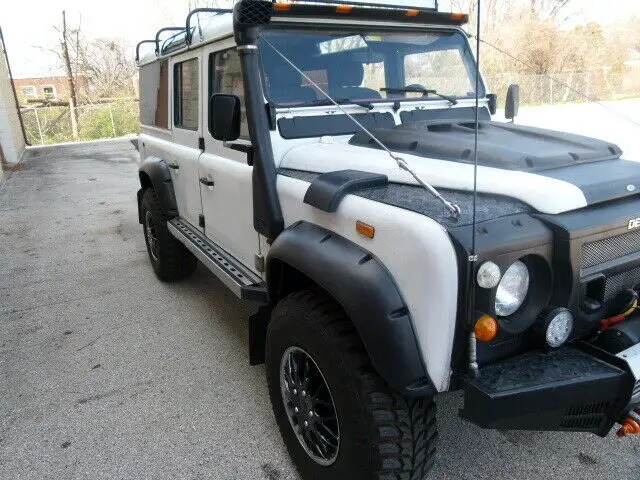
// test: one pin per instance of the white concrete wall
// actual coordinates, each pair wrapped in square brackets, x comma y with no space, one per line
[11,138]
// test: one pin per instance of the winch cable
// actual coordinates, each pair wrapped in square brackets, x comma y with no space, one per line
[473,259]
[451,209]
[559,82]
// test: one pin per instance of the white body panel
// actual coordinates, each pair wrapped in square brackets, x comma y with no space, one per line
[330,154]
[185,151]
[414,248]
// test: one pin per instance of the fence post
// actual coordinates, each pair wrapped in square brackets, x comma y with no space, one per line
[35,110]
[113,127]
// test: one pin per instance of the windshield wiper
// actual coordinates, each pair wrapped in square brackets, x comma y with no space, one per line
[425,92]
[342,101]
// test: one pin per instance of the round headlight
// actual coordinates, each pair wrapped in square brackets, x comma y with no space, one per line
[558,325]
[512,289]
[488,275]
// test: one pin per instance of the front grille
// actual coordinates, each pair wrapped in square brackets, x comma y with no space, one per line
[607,249]
[615,283]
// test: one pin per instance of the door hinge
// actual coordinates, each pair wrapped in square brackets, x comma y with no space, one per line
[201,220]
[259,262]
[201,143]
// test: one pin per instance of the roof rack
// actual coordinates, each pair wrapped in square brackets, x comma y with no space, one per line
[162,30]
[314,8]
[138,48]
[217,11]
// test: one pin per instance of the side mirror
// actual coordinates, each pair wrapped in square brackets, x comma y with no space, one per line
[493,103]
[224,117]
[512,103]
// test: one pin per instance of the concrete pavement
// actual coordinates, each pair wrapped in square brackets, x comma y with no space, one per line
[105,372]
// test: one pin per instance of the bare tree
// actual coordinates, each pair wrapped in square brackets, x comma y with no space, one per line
[64,45]
[107,66]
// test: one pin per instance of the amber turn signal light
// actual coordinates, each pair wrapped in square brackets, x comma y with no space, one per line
[344,8]
[281,7]
[364,229]
[486,328]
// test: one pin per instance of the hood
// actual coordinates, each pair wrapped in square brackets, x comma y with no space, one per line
[551,171]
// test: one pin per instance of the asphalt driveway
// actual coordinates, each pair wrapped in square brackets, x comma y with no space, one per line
[105,372]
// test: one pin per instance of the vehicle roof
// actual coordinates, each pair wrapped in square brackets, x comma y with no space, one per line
[207,27]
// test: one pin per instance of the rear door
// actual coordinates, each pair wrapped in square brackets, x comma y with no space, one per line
[227,195]
[186,115]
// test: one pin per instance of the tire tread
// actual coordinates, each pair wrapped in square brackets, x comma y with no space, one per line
[403,430]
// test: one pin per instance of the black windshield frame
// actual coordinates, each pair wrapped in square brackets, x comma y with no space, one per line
[464,49]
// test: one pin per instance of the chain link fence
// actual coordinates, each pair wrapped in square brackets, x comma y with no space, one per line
[567,87]
[49,125]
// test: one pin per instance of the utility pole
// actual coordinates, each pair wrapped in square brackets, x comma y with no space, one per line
[72,87]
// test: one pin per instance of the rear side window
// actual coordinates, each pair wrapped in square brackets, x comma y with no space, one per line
[185,94]
[154,94]
[227,78]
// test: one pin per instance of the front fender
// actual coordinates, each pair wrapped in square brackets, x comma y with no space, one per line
[362,285]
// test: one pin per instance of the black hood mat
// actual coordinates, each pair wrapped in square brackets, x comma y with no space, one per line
[417,199]
[501,145]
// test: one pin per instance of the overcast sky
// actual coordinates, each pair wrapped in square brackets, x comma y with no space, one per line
[28,24]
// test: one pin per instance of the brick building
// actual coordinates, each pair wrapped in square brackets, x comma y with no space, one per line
[50,88]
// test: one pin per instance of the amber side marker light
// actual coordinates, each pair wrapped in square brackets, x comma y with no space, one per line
[344,8]
[282,6]
[486,328]
[365,229]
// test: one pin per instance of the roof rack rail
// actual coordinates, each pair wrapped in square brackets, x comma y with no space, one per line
[201,10]
[162,30]
[138,48]
[364,4]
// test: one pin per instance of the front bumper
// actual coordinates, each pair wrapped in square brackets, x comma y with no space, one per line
[576,388]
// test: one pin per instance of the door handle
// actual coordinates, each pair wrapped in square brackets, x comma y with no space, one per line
[206,181]
[173,166]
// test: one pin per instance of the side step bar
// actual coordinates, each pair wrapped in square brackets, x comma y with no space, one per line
[240,280]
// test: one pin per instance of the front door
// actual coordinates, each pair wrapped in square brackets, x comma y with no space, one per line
[226,188]
[186,114]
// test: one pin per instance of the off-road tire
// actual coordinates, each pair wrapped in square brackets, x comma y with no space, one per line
[174,261]
[383,435]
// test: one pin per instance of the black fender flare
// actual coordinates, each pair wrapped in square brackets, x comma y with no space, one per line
[367,292]
[155,173]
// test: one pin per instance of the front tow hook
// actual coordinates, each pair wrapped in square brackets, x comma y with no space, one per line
[630,425]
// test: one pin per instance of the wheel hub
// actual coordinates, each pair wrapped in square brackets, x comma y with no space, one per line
[309,406]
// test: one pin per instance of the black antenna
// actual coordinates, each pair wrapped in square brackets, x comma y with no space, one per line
[473,361]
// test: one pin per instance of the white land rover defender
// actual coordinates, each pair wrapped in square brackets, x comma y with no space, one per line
[293,149]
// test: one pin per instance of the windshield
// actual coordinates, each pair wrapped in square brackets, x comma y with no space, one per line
[356,66]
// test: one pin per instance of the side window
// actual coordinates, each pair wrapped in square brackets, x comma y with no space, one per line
[226,77]
[185,94]
[154,94]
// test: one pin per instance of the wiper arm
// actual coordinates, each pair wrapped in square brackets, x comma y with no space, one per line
[425,92]
[342,101]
